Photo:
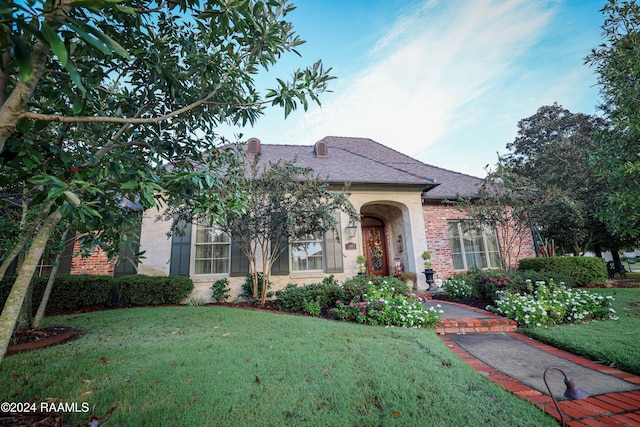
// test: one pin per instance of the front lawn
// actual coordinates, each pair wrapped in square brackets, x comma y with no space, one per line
[613,342]
[218,366]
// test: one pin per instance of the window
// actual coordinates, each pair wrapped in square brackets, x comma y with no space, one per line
[307,254]
[473,244]
[212,251]
[44,267]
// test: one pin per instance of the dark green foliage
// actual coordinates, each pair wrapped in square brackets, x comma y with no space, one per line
[299,298]
[247,287]
[145,290]
[69,292]
[583,270]
[485,283]
[360,285]
[546,276]
[221,290]
[72,292]
[5,287]
[616,162]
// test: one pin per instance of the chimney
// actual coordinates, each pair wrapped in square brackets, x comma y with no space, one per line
[253,146]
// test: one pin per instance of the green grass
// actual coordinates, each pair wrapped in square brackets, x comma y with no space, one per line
[615,343]
[218,366]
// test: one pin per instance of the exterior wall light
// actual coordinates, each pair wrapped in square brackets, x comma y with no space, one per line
[350,230]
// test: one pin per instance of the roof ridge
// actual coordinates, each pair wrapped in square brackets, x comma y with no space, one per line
[388,164]
[404,155]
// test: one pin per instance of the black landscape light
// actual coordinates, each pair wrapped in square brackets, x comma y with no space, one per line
[573,392]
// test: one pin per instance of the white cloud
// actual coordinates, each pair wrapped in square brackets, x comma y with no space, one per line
[448,82]
[428,66]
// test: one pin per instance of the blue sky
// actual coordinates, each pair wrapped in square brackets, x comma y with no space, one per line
[444,81]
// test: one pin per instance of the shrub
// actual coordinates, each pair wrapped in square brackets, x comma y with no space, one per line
[553,304]
[247,287]
[361,285]
[139,289]
[485,283]
[297,298]
[543,276]
[457,287]
[583,270]
[312,307]
[221,290]
[68,293]
[381,300]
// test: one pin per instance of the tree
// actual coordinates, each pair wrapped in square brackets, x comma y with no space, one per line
[286,202]
[502,203]
[552,153]
[617,160]
[94,96]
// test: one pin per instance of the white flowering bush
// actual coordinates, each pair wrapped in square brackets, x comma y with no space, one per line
[384,306]
[456,287]
[552,304]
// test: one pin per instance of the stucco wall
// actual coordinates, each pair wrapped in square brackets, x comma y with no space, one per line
[155,243]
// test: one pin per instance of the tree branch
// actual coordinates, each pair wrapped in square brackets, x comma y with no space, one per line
[125,120]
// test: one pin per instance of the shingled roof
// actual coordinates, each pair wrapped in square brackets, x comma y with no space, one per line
[364,161]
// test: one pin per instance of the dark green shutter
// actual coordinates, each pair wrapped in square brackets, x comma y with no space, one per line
[67,256]
[333,251]
[126,266]
[280,266]
[239,262]
[180,252]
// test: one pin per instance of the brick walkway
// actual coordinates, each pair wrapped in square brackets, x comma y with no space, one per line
[614,409]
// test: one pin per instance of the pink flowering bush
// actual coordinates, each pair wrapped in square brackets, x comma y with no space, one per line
[383,305]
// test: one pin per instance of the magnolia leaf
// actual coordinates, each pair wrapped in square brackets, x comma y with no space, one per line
[23,56]
[72,198]
[56,43]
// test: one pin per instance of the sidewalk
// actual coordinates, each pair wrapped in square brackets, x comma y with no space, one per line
[490,345]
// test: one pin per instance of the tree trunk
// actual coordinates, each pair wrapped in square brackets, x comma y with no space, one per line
[597,250]
[26,311]
[24,239]
[14,302]
[47,291]
[16,104]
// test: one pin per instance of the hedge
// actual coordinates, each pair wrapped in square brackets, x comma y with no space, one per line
[72,292]
[583,270]
[139,289]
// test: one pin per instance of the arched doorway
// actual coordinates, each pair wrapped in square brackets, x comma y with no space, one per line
[375,245]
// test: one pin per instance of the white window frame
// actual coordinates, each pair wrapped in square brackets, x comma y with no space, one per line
[194,250]
[308,240]
[484,250]
[44,265]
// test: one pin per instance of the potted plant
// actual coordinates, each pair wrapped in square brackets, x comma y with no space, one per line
[428,271]
[361,260]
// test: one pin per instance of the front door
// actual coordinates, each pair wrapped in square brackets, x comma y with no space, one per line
[375,251]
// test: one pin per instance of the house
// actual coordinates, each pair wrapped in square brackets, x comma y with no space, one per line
[403,207]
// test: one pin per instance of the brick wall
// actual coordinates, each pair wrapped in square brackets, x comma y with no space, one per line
[436,216]
[98,264]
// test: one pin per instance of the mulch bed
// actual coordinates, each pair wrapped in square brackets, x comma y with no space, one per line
[32,339]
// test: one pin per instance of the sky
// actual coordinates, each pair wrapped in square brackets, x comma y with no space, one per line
[445,82]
